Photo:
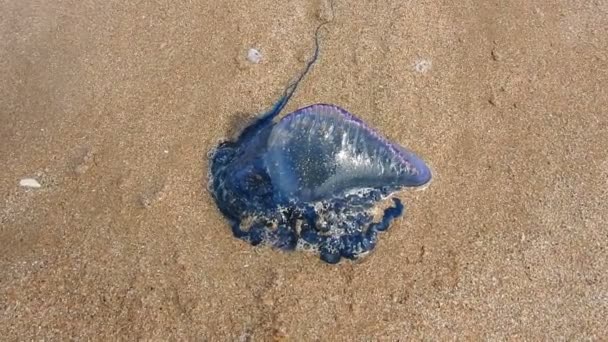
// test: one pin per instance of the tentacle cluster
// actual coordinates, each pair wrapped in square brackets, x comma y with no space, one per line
[342,226]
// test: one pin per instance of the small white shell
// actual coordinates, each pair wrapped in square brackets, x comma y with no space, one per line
[254,56]
[422,65]
[29,183]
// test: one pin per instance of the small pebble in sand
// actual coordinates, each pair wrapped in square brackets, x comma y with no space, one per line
[493,101]
[153,194]
[254,56]
[497,56]
[85,161]
[29,183]
[422,65]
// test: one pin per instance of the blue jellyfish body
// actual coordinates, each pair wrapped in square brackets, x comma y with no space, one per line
[312,181]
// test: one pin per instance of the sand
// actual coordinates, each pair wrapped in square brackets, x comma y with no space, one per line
[113,105]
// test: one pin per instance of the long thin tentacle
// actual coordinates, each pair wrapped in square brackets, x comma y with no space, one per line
[266,118]
[291,88]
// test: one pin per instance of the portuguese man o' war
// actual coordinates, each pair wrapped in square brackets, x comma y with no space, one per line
[313,181]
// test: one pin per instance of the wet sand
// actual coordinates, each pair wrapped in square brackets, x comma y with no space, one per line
[113,106]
